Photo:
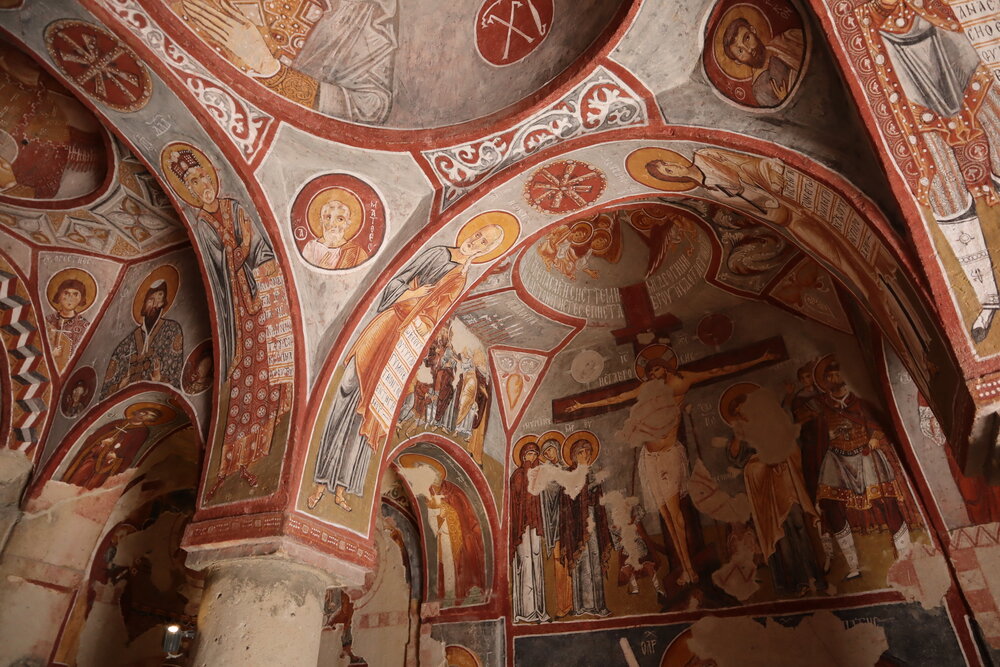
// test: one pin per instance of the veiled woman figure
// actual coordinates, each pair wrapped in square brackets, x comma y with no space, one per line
[584,531]
[526,530]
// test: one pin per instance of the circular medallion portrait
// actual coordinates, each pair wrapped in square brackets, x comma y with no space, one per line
[79,391]
[755,52]
[199,369]
[338,222]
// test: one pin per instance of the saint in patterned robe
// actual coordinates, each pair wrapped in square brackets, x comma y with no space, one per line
[153,353]
[108,451]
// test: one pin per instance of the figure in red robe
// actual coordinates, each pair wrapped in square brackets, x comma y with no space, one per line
[461,569]
[112,447]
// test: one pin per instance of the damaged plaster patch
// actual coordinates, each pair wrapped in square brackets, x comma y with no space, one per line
[820,640]
[921,577]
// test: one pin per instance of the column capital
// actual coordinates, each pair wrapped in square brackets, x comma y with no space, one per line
[279,537]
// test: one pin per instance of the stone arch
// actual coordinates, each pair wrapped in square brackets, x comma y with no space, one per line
[184,417]
[461,495]
[813,207]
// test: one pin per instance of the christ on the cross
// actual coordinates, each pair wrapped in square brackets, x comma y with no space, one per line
[655,420]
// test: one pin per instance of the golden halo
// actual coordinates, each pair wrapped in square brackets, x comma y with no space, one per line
[523,442]
[678,652]
[819,372]
[166,273]
[636,163]
[729,396]
[574,438]
[502,219]
[72,274]
[654,351]
[413,460]
[176,184]
[558,436]
[459,656]
[166,414]
[753,16]
[345,197]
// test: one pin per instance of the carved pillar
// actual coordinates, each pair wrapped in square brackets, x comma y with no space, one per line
[15,469]
[261,611]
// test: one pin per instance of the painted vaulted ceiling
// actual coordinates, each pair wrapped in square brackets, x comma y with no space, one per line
[407,276]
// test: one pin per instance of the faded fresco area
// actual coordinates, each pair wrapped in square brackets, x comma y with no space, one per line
[375,72]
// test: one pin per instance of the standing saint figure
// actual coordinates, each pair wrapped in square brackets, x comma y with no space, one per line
[154,350]
[945,98]
[66,327]
[654,420]
[527,569]
[461,552]
[114,446]
[411,306]
[763,446]
[344,68]
[550,495]
[584,532]
[857,479]
[239,259]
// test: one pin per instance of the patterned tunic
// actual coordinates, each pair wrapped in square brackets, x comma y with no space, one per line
[255,402]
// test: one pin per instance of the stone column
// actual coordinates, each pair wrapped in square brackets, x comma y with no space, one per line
[260,611]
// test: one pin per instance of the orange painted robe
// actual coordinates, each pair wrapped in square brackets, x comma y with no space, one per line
[374,348]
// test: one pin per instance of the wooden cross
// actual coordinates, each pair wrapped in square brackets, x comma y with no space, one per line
[561,412]
[640,317]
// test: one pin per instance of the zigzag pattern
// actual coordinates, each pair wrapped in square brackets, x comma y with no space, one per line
[28,368]
[985,535]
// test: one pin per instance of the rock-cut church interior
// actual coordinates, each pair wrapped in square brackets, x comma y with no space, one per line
[647,333]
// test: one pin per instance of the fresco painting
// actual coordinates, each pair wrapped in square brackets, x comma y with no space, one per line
[154,349]
[874,635]
[457,540]
[304,52]
[52,148]
[763,492]
[452,392]
[386,351]
[359,61]
[609,338]
[508,31]
[114,446]
[80,390]
[71,292]
[338,222]
[755,52]
[256,341]
[99,63]
[199,369]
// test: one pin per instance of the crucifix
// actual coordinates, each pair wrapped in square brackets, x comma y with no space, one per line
[643,323]
[640,318]
[659,398]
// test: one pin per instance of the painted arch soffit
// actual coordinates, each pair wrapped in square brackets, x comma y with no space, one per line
[812,207]
[253,305]
[287,61]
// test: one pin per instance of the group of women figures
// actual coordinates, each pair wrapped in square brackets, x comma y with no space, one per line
[557,512]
